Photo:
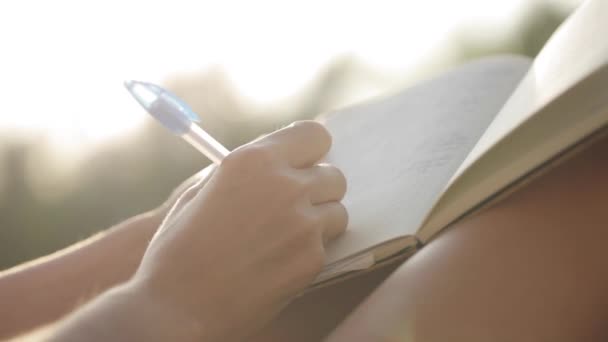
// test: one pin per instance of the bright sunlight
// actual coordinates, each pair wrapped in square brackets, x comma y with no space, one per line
[63,62]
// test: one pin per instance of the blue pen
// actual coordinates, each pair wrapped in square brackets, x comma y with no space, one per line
[176,116]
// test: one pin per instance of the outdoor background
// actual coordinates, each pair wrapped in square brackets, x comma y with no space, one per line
[78,155]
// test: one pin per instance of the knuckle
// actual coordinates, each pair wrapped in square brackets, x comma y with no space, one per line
[260,154]
[257,153]
[293,186]
[250,156]
[298,185]
[309,223]
[305,229]
[316,129]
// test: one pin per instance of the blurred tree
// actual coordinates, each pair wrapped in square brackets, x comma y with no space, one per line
[532,29]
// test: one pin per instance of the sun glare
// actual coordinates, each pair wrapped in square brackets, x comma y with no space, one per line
[64,62]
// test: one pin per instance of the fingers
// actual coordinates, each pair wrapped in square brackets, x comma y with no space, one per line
[302,144]
[327,183]
[200,179]
[327,188]
[334,218]
[185,198]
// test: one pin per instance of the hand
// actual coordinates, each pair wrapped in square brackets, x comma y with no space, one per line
[232,253]
[198,179]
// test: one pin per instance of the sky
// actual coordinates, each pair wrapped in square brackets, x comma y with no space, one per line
[63,62]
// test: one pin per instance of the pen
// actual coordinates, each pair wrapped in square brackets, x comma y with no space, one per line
[175,115]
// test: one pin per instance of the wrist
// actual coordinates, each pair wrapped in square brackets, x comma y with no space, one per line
[135,314]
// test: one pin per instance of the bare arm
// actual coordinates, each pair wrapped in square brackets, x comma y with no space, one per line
[230,254]
[43,290]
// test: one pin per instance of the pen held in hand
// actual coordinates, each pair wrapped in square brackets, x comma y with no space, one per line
[175,115]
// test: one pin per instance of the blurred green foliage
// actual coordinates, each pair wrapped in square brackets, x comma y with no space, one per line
[130,176]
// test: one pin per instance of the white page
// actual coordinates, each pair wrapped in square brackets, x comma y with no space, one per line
[575,51]
[532,126]
[398,153]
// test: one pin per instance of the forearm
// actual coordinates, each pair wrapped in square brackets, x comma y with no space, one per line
[125,313]
[44,290]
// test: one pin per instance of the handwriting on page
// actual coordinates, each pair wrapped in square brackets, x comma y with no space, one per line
[399,153]
[436,153]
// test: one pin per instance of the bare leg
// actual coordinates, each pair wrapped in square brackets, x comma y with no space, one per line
[532,268]
[315,315]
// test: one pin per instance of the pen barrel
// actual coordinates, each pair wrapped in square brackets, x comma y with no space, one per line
[205,143]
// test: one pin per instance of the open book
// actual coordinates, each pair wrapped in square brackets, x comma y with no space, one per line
[423,158]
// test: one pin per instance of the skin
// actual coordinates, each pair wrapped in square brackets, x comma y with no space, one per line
[191,294]
[44,290]
[530,268]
